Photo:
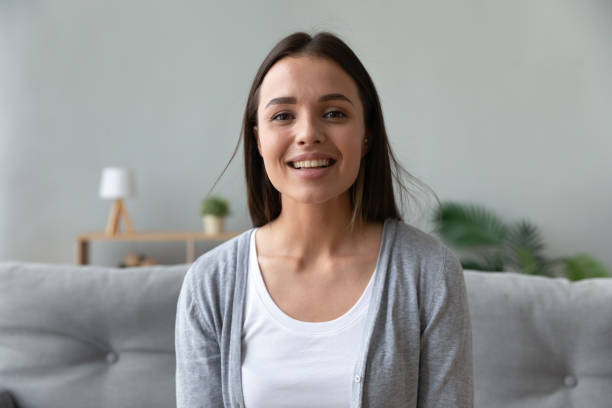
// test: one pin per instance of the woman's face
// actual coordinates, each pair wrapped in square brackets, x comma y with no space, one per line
[310,129]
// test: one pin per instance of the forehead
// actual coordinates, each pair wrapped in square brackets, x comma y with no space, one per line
[306,76]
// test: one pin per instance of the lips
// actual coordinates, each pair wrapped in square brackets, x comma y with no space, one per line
[311,173]
[306,164]
[311,161]
[311,168]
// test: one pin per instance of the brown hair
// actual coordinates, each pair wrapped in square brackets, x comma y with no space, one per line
[372,194]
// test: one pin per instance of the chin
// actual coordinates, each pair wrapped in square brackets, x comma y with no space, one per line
[315,197]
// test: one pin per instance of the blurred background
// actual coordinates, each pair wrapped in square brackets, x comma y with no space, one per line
[497,103]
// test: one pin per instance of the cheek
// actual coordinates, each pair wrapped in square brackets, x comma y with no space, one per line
[272,149]
[352,147]
[353,157]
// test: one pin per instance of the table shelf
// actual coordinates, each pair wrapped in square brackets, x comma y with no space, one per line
[189,237]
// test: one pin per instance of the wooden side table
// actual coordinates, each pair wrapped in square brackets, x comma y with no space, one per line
[190,237]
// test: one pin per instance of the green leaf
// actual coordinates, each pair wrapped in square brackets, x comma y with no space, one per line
[526,235]
[494,261]
[215,205]
[525,249]
[584,266]
[465,226]
[490,245]
[527,261]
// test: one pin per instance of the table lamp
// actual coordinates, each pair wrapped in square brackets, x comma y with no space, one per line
[117,183]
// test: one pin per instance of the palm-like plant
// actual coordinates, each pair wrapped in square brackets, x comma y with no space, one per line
[525,250]
[491,245]
[466,226]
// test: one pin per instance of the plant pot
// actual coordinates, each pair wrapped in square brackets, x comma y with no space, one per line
[213,224]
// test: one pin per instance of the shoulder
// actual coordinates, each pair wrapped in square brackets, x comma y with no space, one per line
[410,240]
[421,251]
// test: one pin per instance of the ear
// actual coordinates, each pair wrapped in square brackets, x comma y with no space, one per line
[365,148]
[257,138]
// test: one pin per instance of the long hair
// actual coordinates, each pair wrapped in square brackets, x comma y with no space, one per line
[372,194]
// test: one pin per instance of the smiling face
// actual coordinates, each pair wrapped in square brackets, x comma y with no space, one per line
[310,129]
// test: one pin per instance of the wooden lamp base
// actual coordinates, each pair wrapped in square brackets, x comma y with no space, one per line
[118,211]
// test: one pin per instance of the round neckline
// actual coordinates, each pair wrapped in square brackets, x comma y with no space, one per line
[300,327]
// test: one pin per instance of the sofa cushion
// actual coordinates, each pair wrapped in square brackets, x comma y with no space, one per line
[540,342]
[74,336]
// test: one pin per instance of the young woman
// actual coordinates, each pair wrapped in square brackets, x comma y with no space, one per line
[331,300]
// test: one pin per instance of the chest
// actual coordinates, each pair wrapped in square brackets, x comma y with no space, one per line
[320,292]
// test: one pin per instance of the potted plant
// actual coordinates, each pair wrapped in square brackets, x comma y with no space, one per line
[489,244]
[214,209]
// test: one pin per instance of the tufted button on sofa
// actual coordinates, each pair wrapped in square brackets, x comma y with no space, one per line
[111,357]
[87,336]
[570,381]
[540,342]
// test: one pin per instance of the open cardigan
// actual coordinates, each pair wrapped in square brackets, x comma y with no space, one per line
[417,344]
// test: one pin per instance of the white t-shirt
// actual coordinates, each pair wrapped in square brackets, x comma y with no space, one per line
[292,363]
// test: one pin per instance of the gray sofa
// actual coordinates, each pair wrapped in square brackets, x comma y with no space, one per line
[87,336]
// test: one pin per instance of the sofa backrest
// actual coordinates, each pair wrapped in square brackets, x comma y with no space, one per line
[93,337]
[540,342]
[104,337]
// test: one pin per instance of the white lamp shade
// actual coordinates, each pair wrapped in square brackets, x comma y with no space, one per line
[117,183]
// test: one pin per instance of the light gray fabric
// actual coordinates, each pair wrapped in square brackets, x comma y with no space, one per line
[74,336]
[541,342]
[417,345]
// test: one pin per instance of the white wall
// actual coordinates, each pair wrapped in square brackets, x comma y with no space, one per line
[500,103]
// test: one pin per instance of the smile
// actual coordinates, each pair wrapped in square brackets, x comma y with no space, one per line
[308,164]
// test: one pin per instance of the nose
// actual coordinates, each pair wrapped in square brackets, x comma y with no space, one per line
[309,131]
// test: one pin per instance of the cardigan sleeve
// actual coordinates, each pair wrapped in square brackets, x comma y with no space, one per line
[446,372]
[198,357]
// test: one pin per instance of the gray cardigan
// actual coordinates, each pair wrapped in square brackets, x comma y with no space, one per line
[416,348]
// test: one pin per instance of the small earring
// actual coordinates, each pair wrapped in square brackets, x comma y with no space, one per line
[366,140]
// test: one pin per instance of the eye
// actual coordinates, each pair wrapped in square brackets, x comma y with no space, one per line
[335,114]
[282,116]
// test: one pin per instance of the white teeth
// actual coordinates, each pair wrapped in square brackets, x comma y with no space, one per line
[311,163]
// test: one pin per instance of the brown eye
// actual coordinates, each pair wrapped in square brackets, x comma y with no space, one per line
[335,115]
[282,116]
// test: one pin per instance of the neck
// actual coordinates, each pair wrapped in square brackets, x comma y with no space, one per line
[308,230]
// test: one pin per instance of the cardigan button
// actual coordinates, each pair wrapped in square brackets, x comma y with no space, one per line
[111,358]
[357,378]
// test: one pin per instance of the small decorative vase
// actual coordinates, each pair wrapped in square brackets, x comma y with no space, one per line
[213,224]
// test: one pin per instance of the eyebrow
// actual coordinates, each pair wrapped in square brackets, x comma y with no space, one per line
[291,100]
